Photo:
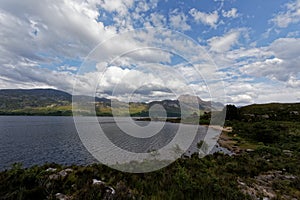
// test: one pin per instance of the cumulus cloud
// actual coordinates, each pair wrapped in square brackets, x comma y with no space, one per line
[38,38]
[261,74]
[67,68]
[283,63]
[119,6]
[35,34]
[230,13]
[293,82]
[291,15]
[32,33]
[242,92]
[209,19]
[157,20]
[32,77]
[150,81]
[178,20]
[224,43]
[262,68]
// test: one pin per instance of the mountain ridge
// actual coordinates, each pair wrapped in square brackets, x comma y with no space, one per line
[49,101]
[22,100]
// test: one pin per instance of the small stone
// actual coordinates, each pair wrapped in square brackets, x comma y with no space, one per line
[97,182]
[54,177]
[51,169]
[61,196]
[63,173]
[112,190]
[68,170]
[242,183]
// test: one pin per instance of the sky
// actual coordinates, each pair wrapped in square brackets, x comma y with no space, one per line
[232,51]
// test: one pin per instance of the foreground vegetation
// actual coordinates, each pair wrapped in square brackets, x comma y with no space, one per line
[213,177]
[270,170]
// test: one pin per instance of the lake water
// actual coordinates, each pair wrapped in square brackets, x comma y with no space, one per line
[35,140]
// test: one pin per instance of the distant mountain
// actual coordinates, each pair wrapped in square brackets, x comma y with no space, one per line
[186,105]
[55,102]
[196,101]
[19,98]
[22,98]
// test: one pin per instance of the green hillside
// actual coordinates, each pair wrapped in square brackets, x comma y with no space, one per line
[21,99]
[274,111]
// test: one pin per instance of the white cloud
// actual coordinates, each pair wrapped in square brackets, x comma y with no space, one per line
[231,13]
[247,54]
[224,43]
[151,83]
[120,6]
[178,20]
[290,16]
[32,37]
[242,92]
[286,48]
[240,99]
[69,31]
[157,20]
[282,63]
[33,77]
[210,19]
[51,33]
[262,74]
[293,82]
[293,34]
[67,68]
[267,68]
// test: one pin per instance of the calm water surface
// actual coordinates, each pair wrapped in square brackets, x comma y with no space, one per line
[35,140]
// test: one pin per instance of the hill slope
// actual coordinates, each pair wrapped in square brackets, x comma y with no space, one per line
[55,102]
[272,111]
[18,99]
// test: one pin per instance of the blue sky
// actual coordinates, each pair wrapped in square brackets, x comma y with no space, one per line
[253,48]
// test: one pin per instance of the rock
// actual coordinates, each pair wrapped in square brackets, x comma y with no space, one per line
[265,116]
[112,190]
[48,185]
[97,182]
[63,173]
[249,150]
[61,196]
[51,169]
[261,188]
[54,176]
[68,170]
[294,113]
[242,183]
[289,177]
[287,152]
